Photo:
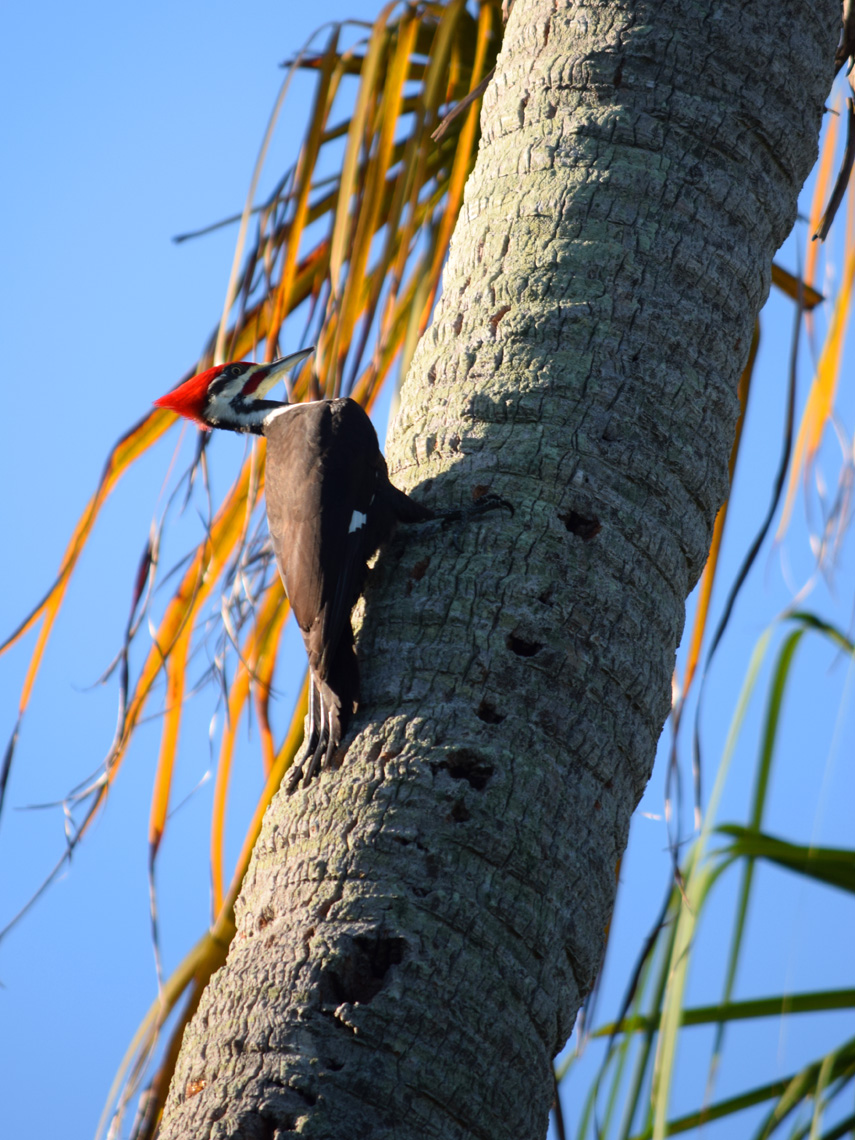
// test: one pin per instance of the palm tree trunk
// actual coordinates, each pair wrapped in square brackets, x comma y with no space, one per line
[418,929]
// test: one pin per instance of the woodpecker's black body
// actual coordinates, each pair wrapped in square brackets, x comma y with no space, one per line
[330,505]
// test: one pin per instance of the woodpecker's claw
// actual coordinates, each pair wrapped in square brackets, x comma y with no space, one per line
[295,775]
[481,506]
[491,502]
[302,772]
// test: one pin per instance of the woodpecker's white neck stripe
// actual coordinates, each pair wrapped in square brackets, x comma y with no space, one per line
[271,416]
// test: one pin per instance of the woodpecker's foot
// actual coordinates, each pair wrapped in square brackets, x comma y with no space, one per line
[481,506]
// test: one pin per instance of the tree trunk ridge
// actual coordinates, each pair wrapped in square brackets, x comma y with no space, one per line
[418,929]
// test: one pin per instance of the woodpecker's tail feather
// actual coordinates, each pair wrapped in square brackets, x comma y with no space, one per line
[332,703]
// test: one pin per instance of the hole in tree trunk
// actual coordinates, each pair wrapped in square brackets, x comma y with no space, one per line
[521,647]
[488,714]
[583,528]
[464,764]
[358,972]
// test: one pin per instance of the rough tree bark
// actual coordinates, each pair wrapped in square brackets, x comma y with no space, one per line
[418,929]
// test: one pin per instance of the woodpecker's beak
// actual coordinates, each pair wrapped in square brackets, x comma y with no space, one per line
[273,373]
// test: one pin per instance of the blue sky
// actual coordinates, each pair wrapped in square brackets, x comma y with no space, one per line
[125,126]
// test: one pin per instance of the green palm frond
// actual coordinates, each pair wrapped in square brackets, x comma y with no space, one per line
[633,1082]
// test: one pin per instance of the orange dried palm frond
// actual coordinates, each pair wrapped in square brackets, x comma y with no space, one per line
[819,407]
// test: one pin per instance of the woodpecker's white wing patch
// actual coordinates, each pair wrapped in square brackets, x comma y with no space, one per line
[357,519]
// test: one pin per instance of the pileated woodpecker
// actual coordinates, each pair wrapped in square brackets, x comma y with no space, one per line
[330,505]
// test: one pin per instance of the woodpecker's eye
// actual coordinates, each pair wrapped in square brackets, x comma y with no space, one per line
[237,370]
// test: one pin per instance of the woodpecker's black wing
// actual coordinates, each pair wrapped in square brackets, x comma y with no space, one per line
[323,463]
[330,505]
